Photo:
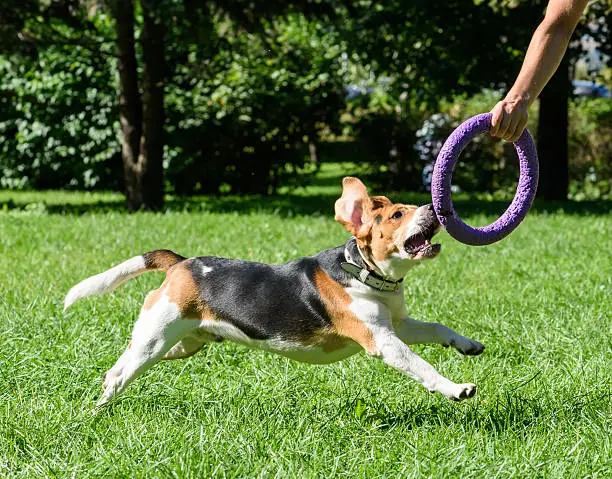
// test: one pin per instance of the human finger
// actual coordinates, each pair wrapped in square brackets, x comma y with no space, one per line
[520,127]
[513,121]
[497,114]
[504,125]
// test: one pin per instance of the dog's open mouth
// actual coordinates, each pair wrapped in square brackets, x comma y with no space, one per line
[420,246]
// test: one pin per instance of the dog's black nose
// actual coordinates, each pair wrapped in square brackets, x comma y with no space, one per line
[431,213]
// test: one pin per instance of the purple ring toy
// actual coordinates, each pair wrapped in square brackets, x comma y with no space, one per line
[443,173]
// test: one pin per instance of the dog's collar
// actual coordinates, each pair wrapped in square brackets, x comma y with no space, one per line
[370,278]
[361,271]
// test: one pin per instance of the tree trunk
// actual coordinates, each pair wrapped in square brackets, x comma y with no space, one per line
[312,151]
[553,136]
[130,107]
[141,119]
[151,141]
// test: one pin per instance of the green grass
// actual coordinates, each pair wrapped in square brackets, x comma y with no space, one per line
[539,300]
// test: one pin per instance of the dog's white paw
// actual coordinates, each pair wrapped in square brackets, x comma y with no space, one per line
[463,391]
[102,401]
[454,392]
[109,387]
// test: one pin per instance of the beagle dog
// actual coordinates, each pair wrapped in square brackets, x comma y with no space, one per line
[318,309]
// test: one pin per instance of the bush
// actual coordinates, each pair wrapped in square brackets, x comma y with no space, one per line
[241,110]
[59,120]
[244,125]
[488,164]
[591,148]
[384,126]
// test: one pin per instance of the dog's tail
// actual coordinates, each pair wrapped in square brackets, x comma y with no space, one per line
[161,259]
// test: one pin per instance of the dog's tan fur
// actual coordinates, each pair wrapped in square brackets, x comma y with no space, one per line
[337,301]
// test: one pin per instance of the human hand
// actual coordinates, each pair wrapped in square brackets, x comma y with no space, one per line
[509,119]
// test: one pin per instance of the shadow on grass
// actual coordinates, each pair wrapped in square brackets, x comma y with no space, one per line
[295,204]
[509,411]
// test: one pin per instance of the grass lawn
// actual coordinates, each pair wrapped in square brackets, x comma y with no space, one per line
[540,301]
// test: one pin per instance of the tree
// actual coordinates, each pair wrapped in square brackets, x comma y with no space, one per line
[553,136]
[141,116]
[436,49]
[240,119]
[242,88]
[227,96]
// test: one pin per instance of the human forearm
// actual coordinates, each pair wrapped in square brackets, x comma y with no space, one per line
[543,57]
[545,52]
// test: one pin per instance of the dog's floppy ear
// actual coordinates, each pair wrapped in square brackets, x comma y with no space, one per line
[380,202]
[354,207]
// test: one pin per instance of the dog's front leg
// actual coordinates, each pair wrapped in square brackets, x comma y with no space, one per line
[394,352]
[412,331]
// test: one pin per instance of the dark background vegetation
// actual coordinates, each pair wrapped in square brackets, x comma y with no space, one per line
[245,97]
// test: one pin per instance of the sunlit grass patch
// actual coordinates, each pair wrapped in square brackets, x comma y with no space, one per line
[539,300]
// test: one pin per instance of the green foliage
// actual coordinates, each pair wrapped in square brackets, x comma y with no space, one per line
[591,148]
[59,115]
[428,52]
[386,143]
[241,107]
[13,15]
[435,50]
[248,112]
[251,85]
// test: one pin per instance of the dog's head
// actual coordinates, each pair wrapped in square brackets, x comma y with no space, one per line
[393,236]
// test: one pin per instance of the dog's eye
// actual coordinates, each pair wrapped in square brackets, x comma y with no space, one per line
[397,215]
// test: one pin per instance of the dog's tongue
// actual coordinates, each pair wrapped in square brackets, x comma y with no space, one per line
[416,244]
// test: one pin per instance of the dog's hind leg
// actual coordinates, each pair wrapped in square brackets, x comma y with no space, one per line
[189,345]
[156,331]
